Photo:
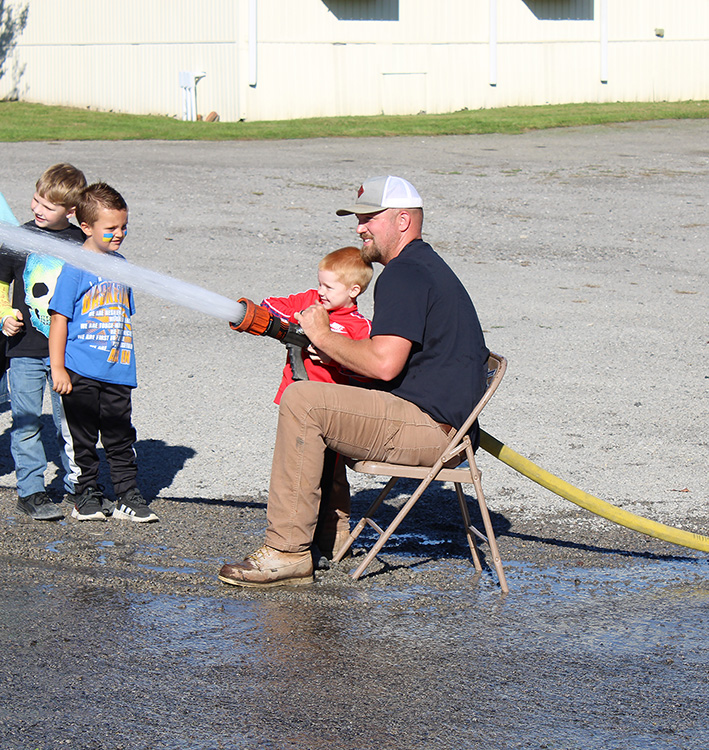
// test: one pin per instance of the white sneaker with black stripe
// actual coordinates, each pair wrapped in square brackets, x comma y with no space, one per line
[130,506]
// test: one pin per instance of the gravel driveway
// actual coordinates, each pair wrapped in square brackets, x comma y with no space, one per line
[585,252]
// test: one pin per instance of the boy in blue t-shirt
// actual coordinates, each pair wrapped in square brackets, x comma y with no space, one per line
[93,364]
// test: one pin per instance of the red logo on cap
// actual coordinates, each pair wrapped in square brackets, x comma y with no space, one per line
[360,191]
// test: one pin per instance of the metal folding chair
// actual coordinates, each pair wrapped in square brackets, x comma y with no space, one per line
[459,448]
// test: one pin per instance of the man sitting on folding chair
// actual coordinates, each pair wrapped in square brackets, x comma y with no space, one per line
[428,353]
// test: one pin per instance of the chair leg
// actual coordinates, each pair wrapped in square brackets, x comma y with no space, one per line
[391,528]
[366,520]
[487,523]
[466,522]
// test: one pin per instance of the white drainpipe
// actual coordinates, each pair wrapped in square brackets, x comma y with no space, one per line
[604,40]
[253,42]
[493,42]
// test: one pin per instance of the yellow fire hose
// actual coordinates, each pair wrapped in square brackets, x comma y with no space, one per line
[593,504]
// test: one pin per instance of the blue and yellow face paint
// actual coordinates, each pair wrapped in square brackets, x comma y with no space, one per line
[108,236]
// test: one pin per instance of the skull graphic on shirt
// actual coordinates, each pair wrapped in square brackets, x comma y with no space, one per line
[40,278]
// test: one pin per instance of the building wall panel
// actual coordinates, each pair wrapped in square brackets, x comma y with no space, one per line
[638,19]
[419,21]
[152,89]
[349,57]
[129,21]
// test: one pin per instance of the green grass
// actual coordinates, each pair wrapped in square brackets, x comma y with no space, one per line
[20,121]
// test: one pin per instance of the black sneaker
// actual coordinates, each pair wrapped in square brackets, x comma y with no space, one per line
[107,506]
[130,506]
[40,507]
[89,505]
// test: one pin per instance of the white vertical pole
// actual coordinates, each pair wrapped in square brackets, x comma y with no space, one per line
[493,42]
[604,40]
[253,42]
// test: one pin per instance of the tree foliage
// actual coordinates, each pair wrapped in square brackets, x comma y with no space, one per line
[13,19]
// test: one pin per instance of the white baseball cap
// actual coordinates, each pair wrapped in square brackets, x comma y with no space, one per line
[379,193]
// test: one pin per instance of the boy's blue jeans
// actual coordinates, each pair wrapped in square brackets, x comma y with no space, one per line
[27,378]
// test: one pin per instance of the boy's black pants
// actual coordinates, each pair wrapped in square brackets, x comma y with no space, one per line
[94,408]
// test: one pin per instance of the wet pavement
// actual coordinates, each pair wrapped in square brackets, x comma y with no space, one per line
[584,250]
[113,636]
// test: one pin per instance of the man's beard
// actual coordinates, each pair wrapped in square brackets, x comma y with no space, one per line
[370,253]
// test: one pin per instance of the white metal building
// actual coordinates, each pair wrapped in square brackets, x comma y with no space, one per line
[279,59]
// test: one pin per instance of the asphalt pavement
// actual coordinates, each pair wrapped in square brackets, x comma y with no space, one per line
[585,252]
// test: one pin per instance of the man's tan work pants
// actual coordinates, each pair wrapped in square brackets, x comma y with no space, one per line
[356,422]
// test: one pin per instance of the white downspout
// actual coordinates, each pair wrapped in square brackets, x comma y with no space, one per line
[493,42]
[604,40]
[253,42]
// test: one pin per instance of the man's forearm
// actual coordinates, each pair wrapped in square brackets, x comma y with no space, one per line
[380,358]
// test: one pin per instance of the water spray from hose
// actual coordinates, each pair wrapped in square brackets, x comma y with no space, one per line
[23,242]
[242,315]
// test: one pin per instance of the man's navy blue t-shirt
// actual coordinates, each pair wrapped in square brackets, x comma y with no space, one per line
[419,298]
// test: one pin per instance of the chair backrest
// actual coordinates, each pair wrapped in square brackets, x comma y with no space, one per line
[496,366]
[444,470]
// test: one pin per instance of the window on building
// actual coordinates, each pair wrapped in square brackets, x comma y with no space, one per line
[364,10]
[561,10]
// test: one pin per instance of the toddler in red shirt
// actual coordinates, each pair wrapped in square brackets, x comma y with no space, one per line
[342,277]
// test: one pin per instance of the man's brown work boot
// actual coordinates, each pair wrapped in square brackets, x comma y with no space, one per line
[270,567]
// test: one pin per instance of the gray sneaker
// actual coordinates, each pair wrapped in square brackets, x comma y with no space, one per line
[40,507]
[89,505]
[130,506]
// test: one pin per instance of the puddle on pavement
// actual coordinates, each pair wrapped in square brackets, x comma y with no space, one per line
[574,658]
[553,600]
[168,569]
[639,576]
[104,545]
[627,608]
[54,546]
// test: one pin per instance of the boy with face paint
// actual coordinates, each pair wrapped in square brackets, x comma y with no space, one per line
[93,364]
[25,326]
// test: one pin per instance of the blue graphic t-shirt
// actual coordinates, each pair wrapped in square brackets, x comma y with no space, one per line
[100,334]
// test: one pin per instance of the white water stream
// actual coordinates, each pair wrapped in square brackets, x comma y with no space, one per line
[24,241]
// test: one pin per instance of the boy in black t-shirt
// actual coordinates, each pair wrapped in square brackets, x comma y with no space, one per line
[6,217]
[25,323]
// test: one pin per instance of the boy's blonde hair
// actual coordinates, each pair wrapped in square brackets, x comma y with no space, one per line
[95,197]
[61,184]
[347,264]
